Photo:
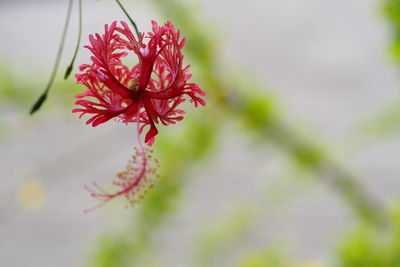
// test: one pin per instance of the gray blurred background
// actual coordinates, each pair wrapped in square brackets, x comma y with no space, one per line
[326,62]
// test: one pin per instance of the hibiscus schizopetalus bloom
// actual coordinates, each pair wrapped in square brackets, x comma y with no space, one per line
[148,93]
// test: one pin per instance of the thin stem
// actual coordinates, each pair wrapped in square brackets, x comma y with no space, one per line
[138,130]
[71,66]
[36,106]
[129,17]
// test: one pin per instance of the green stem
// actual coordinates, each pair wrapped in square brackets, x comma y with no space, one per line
[71,65]
[129,17]
[39,102]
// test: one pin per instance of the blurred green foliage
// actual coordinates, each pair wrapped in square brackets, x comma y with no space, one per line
[267,257]
[183,150]
[228,100]
[12,91]
[19,90]
[216,242]
[386,120]
[391,9]
[369,246]
[219,236]
[131,244]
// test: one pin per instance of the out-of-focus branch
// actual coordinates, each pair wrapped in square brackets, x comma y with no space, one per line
[256,110]
[225,100]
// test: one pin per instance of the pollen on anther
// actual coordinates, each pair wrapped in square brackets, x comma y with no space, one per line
[134,182]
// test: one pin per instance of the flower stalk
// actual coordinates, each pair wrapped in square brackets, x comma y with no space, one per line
[129,17]
[42,98]
[78,44]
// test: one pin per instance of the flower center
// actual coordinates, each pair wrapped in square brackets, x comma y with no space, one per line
[144,50]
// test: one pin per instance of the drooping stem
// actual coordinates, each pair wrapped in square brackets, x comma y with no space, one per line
[138,130]
[129,17]
[71,65]
[139,177]
[39,102]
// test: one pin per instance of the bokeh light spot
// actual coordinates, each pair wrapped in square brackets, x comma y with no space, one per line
[31,194]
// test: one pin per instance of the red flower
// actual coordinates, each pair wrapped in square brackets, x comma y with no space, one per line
[149,92]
